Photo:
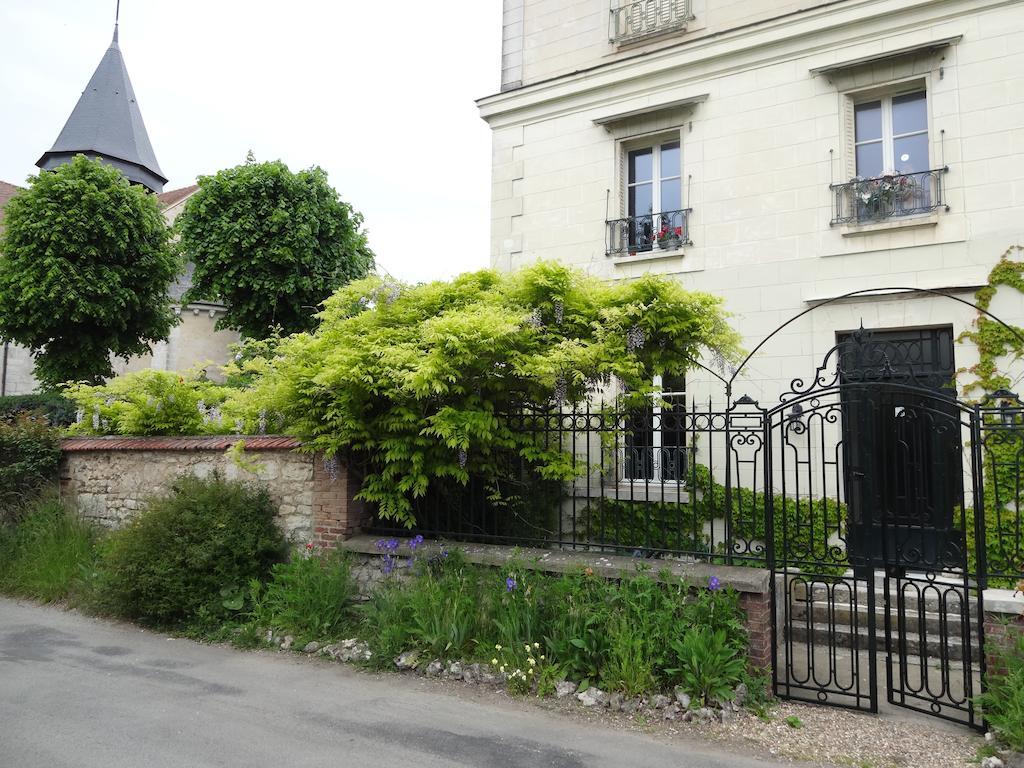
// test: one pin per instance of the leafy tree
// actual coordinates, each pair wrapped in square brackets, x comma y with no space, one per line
[270,244]
[85,265]
[416,384]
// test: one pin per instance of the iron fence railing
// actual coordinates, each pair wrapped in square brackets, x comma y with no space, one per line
[665,231]
[643,18]
[636,488]
[889,196]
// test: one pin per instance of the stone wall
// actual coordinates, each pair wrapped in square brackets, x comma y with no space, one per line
[1004,622]
[110,479]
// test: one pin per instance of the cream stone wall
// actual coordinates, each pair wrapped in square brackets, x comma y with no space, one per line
[110,487]
[763,135]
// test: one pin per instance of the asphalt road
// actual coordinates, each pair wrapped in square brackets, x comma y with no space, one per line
[76,691]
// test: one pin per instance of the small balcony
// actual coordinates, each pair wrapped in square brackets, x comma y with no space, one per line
[889,196]
[646,18]
[650,232]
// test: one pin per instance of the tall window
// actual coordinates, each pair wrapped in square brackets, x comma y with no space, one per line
[892,155]
[654,197]
[655,444]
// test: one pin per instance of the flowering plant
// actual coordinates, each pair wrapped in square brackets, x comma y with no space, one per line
[878,194]
[670,237]
[519,668]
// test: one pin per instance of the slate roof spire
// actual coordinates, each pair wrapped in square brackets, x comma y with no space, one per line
[106,123]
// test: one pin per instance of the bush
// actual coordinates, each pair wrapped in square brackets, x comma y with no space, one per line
[29,456]
[310,597]
[57,409]
[709,667]
[45,554]
[187,556]
[149,403]
[1003,701]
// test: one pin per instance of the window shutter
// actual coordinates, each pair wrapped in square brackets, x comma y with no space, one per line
[848,158]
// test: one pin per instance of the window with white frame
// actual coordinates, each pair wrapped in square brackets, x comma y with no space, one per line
[653,196]
[892,158]
[655,439]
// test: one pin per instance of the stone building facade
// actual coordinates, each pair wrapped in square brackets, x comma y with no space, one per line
[741,125]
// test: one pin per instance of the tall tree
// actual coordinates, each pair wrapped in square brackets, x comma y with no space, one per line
[270,244]
[85,266]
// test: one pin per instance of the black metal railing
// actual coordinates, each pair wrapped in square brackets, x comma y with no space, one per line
[643,18]
[665,231]
[889,196]
[635,489]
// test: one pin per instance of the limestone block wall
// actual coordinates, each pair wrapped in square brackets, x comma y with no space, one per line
[110,479]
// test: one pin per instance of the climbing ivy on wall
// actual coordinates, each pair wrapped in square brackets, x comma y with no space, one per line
[1003,452]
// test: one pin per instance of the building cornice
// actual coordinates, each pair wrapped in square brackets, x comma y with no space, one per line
[884,24]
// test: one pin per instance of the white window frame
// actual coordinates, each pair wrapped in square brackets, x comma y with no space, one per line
[656,179]
[657,397]
[888,139]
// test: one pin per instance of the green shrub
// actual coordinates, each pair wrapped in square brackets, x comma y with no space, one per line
[151,402]
[709,666]
[1003,700]
[386,622]
[29,456]
[57,409]
[310,597]
[575,621]
[45,554]
[191,551]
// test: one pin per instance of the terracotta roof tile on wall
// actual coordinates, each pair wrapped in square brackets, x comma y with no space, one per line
[211,443]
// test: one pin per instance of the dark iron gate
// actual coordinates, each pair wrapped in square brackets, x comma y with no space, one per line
[879,556]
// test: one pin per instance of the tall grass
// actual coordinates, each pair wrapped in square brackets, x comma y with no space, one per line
[44,556]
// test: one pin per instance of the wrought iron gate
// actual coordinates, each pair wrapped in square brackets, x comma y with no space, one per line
[879,556]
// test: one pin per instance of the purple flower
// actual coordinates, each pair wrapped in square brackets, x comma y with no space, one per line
[714,583]
[510,584]
[415,541]
[387,565]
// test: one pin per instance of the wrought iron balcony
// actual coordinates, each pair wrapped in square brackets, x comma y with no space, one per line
[643,18]
[664,231]
[891,195]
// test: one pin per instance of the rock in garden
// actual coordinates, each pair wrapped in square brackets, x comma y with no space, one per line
[454,670]
[287,643]
[741,694]
[726,715]
[671,712]
[629,706]
[615,702]
[565,688]
[311,647]
[487,675]
[471,673]
[591,697]
[407,660]
[270,636]
[706,715]
[1013,759]
[660,702]
[683,698]
[991,762]
[688,716]
[435,668]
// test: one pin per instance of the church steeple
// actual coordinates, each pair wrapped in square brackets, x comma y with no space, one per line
[107,124]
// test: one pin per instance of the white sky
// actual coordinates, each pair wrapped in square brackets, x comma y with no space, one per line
[379,94]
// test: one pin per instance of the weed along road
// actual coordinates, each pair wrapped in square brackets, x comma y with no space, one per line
[76,691]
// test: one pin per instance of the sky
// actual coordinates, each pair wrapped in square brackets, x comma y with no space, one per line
[379,95]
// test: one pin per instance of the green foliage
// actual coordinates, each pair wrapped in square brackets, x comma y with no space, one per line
[414,382]
[189,550]
[43,556]
[151,402]
[710,667]
[794,722]
[386,622]
[271,244]
[1003,700]
[57,409]
[576,616]
[798,524]
[29,455]
[85,269]
[310,597]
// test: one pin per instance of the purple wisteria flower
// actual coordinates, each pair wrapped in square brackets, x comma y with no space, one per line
[510,584]
[714,583]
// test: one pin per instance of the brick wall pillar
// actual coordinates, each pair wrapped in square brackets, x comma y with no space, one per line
[757,606]
[336,512]
[1004,623]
